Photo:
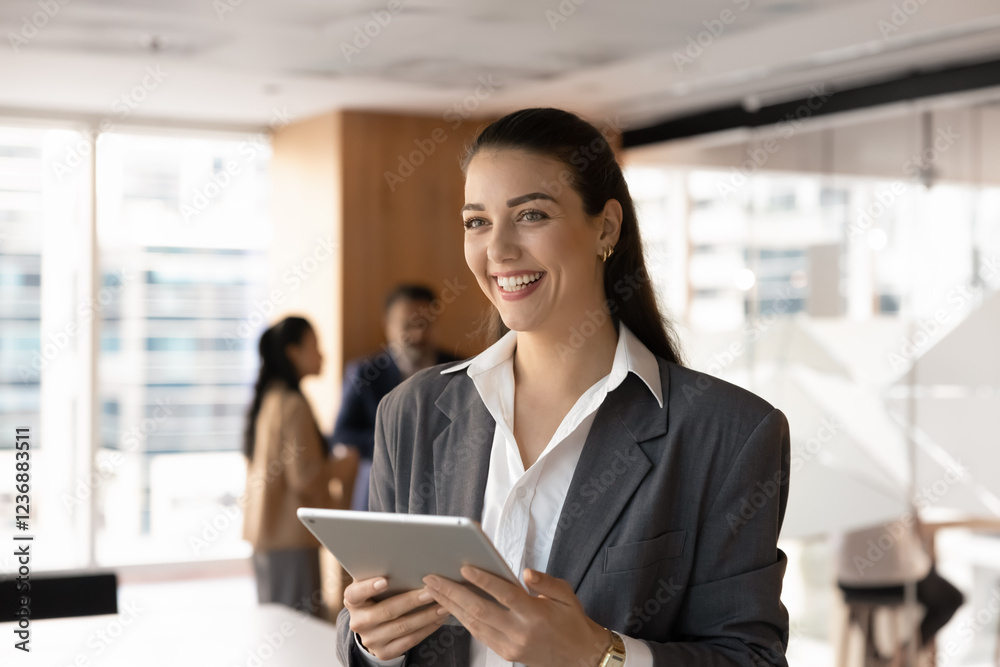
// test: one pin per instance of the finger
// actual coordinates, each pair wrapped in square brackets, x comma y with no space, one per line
[401,645]
[403,626]
[391,609]
[362,591]
[473,611]
[549,586]
[506,593]
[472,619]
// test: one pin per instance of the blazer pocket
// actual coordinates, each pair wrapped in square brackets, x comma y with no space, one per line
[637,555]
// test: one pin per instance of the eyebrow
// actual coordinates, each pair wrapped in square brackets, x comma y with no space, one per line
[511,203]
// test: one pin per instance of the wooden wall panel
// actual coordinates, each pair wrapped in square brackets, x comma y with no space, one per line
[403,193]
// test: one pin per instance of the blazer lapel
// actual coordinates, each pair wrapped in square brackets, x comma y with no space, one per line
[462,450]
[611,467]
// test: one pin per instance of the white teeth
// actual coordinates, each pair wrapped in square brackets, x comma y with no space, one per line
[517,283]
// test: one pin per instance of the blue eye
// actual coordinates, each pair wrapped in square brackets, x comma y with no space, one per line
[473,223]
[533,215]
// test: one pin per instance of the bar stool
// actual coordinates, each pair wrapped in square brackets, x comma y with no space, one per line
[862,608]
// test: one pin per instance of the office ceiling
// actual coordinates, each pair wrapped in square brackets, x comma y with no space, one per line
[242,62]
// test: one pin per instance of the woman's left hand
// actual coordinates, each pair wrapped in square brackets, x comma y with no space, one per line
[549,630]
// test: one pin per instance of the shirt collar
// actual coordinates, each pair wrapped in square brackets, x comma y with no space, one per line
[631,355]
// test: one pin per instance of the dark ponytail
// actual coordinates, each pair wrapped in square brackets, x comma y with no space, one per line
[593,172]
[274,365]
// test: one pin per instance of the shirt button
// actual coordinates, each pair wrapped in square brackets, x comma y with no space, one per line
[521,493]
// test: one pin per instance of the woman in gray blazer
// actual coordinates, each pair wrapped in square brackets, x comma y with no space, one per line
[639,500]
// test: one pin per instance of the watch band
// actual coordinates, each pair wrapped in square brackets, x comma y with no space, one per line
[615,655]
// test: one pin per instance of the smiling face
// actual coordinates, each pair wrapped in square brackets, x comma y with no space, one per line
[534,251]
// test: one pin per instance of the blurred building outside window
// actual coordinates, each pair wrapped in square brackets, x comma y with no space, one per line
[144,465]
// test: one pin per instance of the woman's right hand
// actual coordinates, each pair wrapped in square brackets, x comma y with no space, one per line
[390,628]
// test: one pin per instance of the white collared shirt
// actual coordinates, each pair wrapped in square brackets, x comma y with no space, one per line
[521,507]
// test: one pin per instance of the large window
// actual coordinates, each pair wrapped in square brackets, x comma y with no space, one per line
[182,230]
[125,339]
[43,256]
[21,215]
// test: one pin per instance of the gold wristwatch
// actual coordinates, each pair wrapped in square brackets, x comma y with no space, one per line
[615,655]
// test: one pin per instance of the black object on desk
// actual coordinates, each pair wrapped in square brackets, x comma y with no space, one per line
[61,596]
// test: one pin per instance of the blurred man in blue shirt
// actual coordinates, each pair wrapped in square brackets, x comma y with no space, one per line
[409,348]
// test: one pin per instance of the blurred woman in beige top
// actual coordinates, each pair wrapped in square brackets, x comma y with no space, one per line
[287,468]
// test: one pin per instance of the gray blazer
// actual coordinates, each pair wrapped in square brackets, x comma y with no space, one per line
[668,532]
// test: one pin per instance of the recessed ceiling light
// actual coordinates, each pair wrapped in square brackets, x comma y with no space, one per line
[154,43]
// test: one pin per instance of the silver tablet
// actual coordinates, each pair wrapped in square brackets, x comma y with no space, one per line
[404,548]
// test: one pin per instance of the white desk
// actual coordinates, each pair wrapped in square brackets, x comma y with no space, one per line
[212,636]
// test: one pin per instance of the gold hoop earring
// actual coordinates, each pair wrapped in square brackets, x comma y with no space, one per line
[610,250]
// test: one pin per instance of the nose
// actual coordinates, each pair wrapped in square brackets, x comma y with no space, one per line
[502,243]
